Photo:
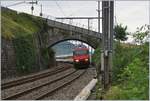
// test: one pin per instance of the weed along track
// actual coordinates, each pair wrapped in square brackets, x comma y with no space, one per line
[42,86]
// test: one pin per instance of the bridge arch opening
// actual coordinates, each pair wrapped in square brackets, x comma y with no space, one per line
[64,49]
[71,39]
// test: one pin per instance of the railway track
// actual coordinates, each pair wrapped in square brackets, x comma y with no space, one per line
[31,78]
[62,83]
[41,90]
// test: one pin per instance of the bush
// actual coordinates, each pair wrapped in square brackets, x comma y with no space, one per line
[122,56]
[25,53]
[133,81]
[130,72]
[96,56]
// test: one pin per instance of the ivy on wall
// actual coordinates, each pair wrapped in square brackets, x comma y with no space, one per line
[25,53]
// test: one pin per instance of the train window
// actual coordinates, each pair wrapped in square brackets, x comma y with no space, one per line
[80,52]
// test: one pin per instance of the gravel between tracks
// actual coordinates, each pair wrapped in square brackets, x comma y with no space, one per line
[70,91]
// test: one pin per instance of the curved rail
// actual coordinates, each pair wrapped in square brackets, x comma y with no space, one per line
[26,91]
[71,79]
[31,78]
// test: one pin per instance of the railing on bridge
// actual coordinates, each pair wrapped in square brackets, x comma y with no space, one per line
[70,22]
[58,24]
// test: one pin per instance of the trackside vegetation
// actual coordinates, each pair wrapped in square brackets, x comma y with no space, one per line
[130,72]
[20,28]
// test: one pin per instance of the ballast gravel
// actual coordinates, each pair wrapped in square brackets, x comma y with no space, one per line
[16,89]
[70,91]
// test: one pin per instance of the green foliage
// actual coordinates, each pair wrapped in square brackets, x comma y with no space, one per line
[25,53]
[130,67]
[130,72]
[14,24]
[141,35]
[96,56]
[122,56]
[52,57]
[48,56]
[98,90]
[20,27]
[114,93]
[51,52]
[136,76]
[134,85]
[133,81]
[120,32]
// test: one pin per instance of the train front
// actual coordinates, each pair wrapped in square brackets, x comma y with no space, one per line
[81,57]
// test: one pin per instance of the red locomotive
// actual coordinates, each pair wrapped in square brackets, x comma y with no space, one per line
[81,57]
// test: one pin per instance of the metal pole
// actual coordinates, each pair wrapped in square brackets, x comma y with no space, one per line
[107,40]
[78,17]
[99,17]
[91,55]
[111,39]
[88,24]
[32,8]
[41,11]
[102,46]
[99,67]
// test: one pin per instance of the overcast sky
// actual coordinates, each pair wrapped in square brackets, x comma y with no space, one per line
[131,13]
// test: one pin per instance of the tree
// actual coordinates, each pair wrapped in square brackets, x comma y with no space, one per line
[120,32]
[141,35]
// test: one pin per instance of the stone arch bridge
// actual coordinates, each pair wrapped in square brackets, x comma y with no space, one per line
[55,33]
[58,32]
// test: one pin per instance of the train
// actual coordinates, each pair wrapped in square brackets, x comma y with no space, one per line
[81,58]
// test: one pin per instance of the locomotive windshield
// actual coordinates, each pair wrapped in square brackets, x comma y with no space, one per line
[80,52]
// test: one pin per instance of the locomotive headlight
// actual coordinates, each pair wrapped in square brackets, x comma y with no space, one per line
[86,59]
[76,60]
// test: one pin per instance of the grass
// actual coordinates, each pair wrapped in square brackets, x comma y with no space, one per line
[14,24]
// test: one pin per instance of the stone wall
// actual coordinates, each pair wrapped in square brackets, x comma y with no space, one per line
[8,59]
